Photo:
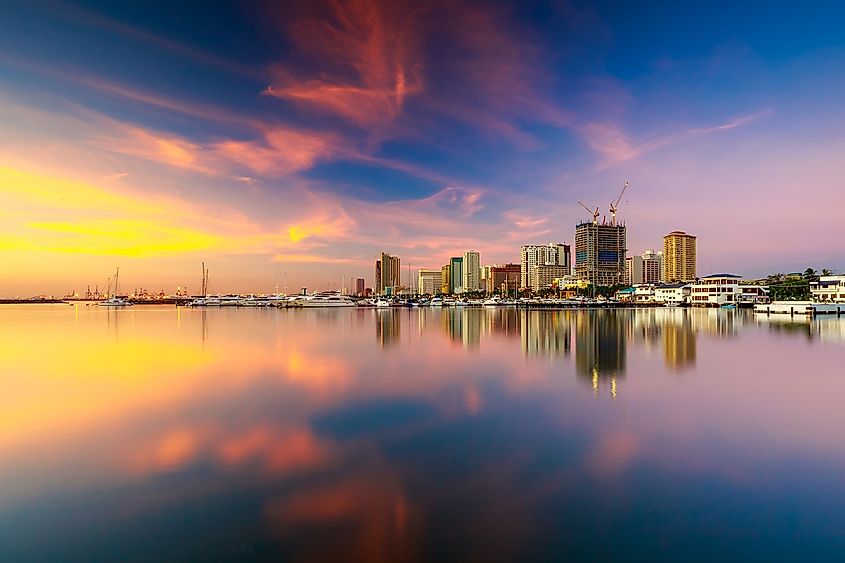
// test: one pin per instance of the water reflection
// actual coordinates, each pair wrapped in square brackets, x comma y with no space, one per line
[455,434]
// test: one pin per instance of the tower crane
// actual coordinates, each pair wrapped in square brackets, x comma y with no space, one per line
[615,205]
[594,213]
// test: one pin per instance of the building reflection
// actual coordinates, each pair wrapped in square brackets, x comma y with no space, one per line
[388,326]
[601,347]
[679,345]
[545,333]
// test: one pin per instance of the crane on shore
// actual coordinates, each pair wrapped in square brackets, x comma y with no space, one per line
[595,213]
[615,205]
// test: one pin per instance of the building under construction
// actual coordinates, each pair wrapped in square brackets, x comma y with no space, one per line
[600,251]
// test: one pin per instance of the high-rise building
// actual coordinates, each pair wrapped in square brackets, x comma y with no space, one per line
[600,251]
[388,269]
[359,286]
[504,278]
[446,279]
[533,255]
[679,257]
[456,274]
[471,278]
[428,282]
[645,269]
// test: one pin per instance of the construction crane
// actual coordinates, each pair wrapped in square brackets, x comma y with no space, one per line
[615,206]
[595,213]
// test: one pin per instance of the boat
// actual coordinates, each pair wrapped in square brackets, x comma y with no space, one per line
[322,300]
[114,300]
[492,302]
[436,302]
[383,303]
[253,301]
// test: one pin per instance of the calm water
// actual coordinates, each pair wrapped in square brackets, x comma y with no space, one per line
[419,435]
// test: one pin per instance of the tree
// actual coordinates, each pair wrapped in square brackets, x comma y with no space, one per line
[810,275]
[827,272]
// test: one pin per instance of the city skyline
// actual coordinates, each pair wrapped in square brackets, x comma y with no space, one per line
[300,141]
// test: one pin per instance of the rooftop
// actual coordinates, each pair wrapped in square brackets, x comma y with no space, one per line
[721,276]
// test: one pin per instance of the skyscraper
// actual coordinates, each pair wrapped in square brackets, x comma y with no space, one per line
[471,278]
[600,253]
[387,272]
[533,255]
[456,274]
[359,286]
[446,279]
[679,257]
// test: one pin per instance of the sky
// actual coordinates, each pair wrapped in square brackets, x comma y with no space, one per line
[291,142]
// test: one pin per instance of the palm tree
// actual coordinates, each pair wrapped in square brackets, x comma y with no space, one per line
[827,272]
[810,275]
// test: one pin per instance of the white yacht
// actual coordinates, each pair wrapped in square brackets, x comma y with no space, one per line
[492,302]
[382,303]
[436,302]
[114,300]
[327,300]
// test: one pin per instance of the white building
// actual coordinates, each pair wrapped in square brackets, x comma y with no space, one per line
[829,288]
[672,293]
[533,255]
[715,290]
[471,271]
[429,282]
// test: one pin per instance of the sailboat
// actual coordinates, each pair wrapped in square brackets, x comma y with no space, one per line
[114,300]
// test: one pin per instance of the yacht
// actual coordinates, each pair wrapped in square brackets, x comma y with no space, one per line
[330,300]
[230,301]
[492,302]
[253,301]
[114,300]
[382,303]
[436,302]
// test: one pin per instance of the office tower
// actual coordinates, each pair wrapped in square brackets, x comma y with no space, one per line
[532,255]
[428,282]
[600,253]
[388,269]
[446,279]
[359,286]
[471,271]
[679,257]
[456,274]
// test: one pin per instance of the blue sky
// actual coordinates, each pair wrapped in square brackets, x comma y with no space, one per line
[305,137]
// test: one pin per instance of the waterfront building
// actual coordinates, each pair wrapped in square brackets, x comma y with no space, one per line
[533,255]
[446,279]
[647,268]
[429,281]
[715,290]
[456,274]
[359,286]
[674,293]
[504,278]
[544,275]
[471,271]
[829,288]
[388,270]
[753,294]
[679,261]
[600,251]
[571,282]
